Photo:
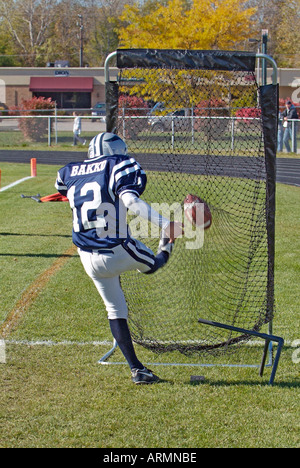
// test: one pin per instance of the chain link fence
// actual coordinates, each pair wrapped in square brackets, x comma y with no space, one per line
[176,125]
[19,131]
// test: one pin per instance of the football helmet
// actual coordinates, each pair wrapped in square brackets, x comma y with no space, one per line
[106,144]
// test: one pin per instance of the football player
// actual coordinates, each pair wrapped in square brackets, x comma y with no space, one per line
[100,191]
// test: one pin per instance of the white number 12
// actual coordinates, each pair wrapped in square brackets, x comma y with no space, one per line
[94,204]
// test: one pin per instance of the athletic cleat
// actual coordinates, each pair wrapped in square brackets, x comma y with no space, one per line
[143,376]
[165,246]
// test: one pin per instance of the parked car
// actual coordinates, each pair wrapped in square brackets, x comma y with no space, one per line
[99,111]
[157,108]
[3,107]
[179,120]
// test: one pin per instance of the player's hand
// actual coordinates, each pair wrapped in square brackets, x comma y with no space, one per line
[174,230]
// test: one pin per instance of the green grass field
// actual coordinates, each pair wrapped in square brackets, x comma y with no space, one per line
[55,394]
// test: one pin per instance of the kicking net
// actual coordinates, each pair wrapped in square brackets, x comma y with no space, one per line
[198,123]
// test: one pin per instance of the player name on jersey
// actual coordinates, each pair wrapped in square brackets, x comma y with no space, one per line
[84,169]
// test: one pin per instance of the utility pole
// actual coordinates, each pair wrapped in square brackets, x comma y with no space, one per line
[264,45]
[258,43]
[80,24]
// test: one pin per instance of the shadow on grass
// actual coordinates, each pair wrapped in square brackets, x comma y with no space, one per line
[30,255]
[29,234]
[248,383]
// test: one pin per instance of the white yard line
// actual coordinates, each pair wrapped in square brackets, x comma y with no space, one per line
[15,183]
[57,343]
[94,343]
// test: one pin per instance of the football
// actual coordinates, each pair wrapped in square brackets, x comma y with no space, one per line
[197,211]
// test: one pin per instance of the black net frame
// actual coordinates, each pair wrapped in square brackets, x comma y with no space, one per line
[246,297]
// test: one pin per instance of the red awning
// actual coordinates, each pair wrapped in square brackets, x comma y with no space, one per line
[61,84]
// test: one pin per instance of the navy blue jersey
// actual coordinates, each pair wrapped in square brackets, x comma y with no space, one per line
[93,188]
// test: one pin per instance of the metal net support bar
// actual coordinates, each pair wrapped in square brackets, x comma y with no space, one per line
[104,360]
[268,338]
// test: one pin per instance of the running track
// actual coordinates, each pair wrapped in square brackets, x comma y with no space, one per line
[288,170]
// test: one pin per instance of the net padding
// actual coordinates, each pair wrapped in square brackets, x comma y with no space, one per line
[205,137]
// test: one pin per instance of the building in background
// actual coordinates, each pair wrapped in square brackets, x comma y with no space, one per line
[83,88]
[71,88]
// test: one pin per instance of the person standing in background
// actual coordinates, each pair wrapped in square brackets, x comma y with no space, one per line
[280,134]
[77,130]
[290,128]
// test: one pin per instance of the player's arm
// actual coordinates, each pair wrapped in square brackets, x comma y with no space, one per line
[139,207]
[128,182]
[60,185]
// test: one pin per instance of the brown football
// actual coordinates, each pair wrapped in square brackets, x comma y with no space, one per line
[197,211]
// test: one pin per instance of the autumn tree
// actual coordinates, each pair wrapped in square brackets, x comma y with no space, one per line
[34,128]
[223,24]
[179,24]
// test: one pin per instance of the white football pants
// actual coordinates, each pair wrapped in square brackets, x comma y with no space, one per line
[105,266]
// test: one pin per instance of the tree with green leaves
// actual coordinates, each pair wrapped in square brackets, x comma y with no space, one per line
[34,32]
[288,35]
[27,22]
[102,26]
